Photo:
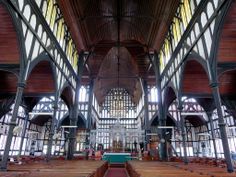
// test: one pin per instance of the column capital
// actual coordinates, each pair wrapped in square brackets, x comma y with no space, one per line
[51,133]
[183,133]
[55,107]
[180,107]
[222,124]
[214,84]
[71,138]
[12,123]
[21,84]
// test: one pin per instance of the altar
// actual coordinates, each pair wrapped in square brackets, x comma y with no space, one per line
[113,157]
[117,138]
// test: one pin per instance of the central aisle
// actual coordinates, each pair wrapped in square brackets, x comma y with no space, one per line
[116,172]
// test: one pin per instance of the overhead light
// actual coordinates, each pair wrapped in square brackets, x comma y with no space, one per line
[31,132]
[204,134]
[173,139]
[69,126]
[165,127]
[40,113]
[162,140]
[193,113]
[151,52]
[151,134]
[231,127]
[83,133]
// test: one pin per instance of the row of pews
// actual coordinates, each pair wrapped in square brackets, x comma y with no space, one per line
[57,168]
[220,162]
[174,169]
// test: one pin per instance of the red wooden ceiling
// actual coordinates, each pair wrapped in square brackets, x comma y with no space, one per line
[117,69]
[226,51]
[67,96]
[9,50]
[41,79]
[170,96]
[8,82]
[100,25]
[30,102]
[40,119]
[143,25]
[196,121]
[227,46]
[227,82]
[195,80]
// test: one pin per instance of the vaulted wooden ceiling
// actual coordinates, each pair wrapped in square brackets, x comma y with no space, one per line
[8,39]
[104,26]
[135,26]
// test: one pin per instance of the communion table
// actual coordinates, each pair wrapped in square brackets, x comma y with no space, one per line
[115,158]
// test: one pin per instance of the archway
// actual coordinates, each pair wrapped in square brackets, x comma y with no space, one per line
[195,80]
[41,79]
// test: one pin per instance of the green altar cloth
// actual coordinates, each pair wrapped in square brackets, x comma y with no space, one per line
[116,157]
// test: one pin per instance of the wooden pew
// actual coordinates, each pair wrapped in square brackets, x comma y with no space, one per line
[58,168]
[169,169]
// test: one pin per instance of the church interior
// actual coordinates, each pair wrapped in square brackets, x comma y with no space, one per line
[117,88]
